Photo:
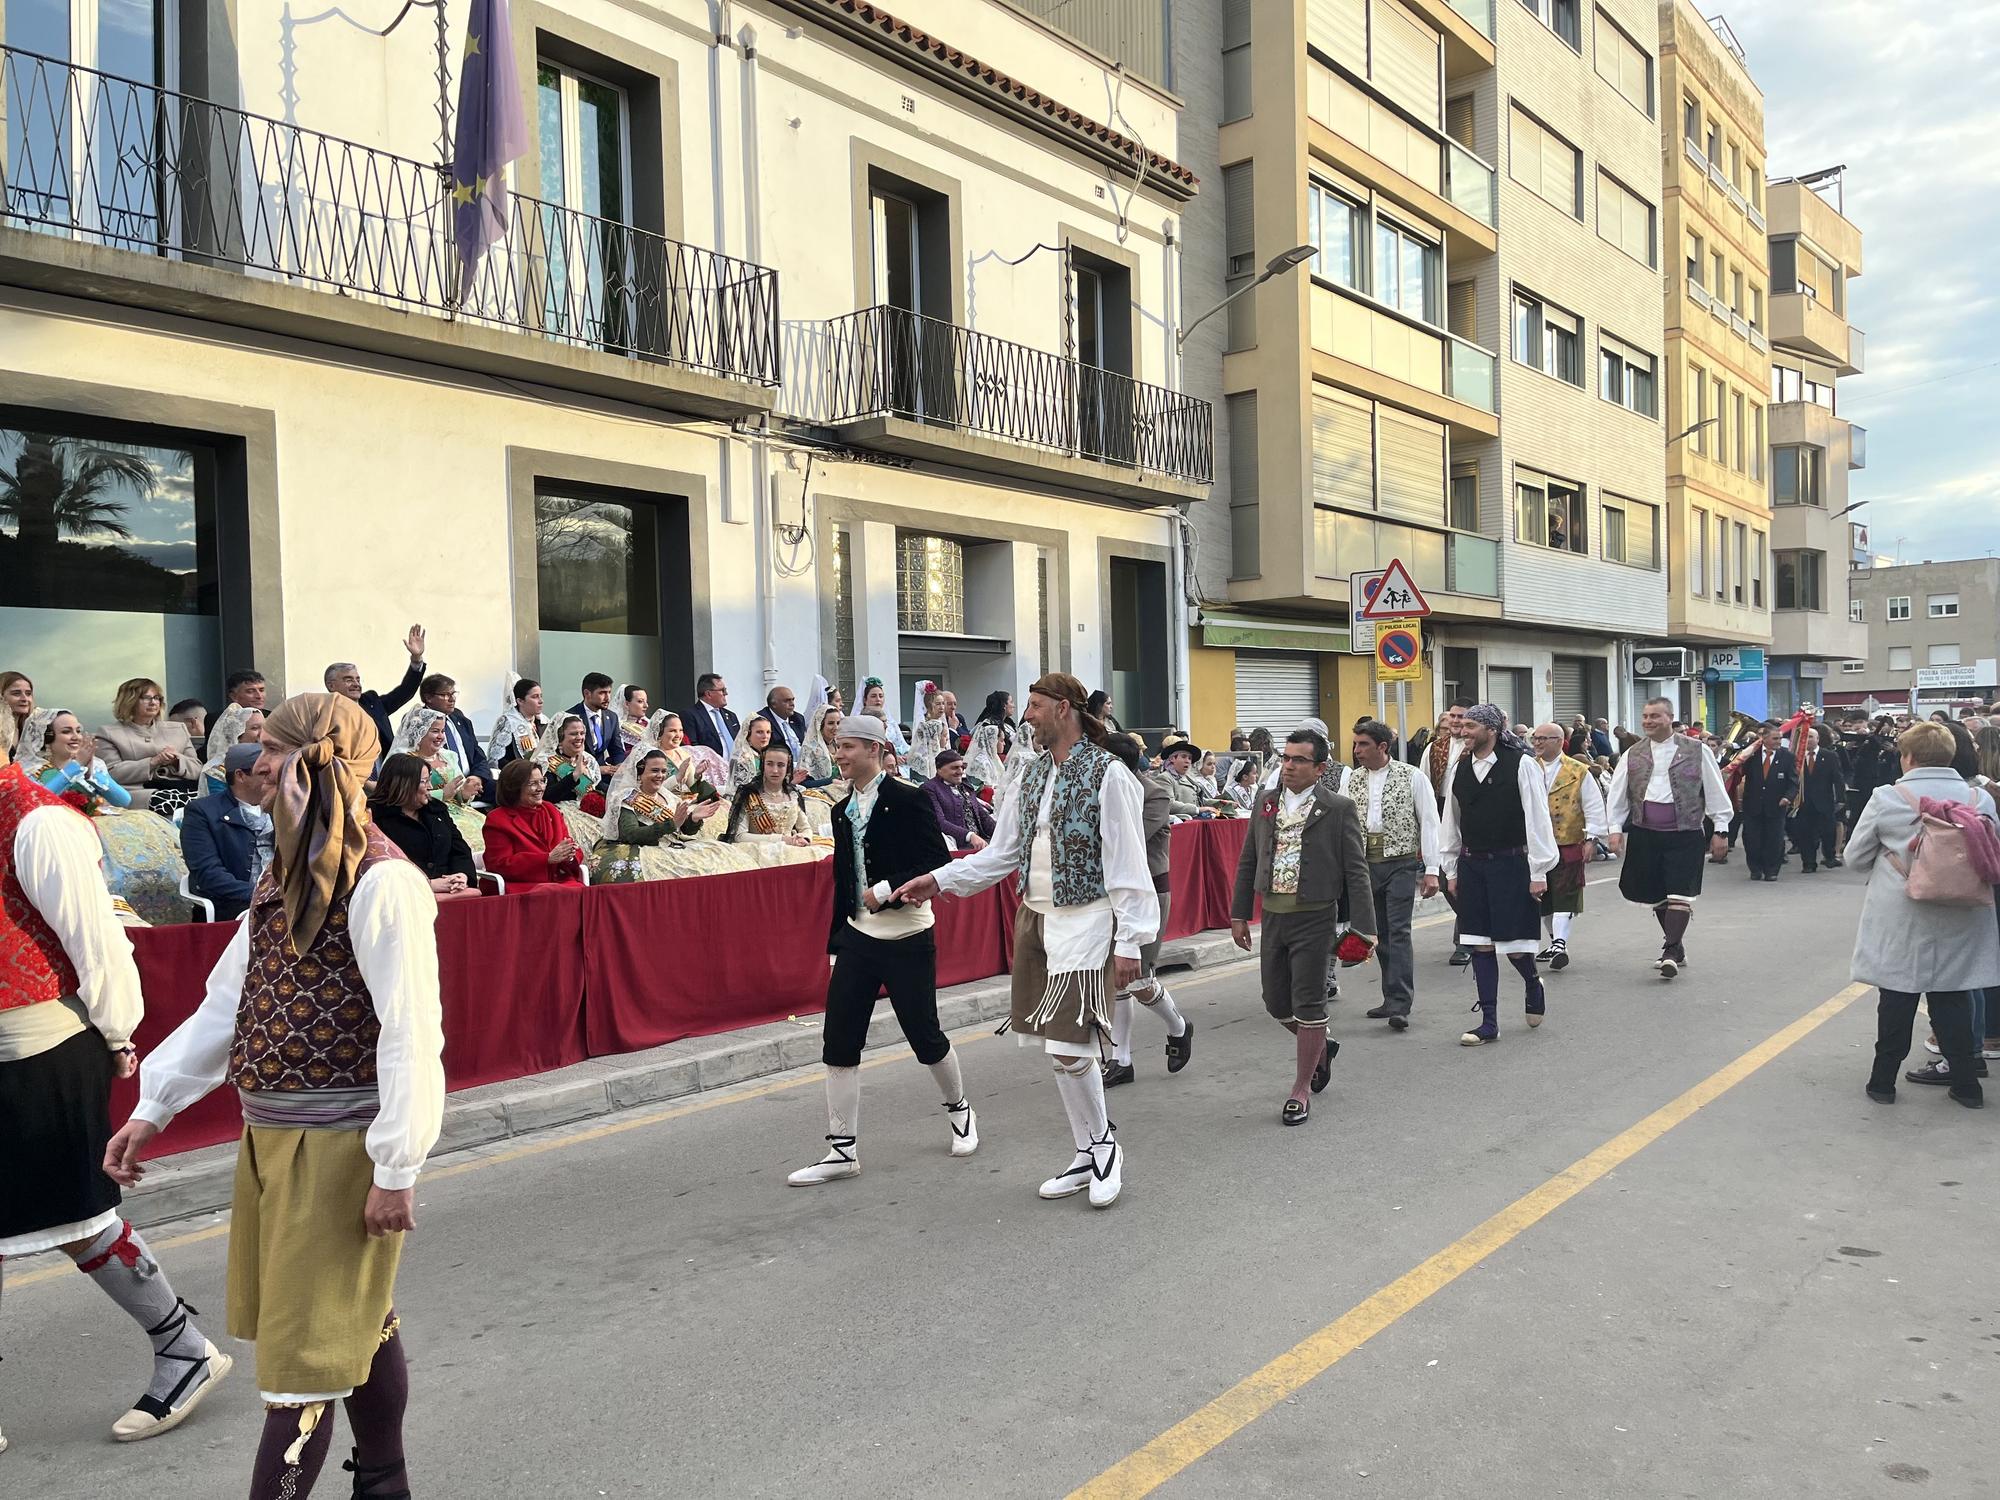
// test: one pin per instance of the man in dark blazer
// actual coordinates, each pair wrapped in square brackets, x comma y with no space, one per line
[460,738]
[1770,787]
[1304,853]
[788,725]
[710,722]
[884,835]
[226,837]
[601,736]
[1822,788]
[344,678]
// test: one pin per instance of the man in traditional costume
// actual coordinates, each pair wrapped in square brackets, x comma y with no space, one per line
[324,1013]
[1576,812]
[1497,850]
[1303,854]
[1071,831]
[1665,784]
[885,833]
[1148,991]
[69,1005]
[1399,827]
[1440,763]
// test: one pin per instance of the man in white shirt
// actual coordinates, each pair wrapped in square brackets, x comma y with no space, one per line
[1665,785]
[1438,763]
[1576,811]
[324,1012]
[1497,849]
[1070,830]
[1399,823]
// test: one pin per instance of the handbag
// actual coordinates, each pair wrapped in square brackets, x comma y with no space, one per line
[1954,855]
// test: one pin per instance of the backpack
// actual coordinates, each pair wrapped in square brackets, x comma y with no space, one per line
[1954,854]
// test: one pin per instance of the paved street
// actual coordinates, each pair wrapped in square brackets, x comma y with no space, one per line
[1789,1293]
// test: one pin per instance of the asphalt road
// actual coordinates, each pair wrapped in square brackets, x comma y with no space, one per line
[1775,1289]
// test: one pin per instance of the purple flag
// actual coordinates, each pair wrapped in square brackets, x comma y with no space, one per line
[492,131]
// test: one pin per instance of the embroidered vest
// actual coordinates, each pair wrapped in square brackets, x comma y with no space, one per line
[307,1022]
[1566,801]
[1683,780]
[1288,845]
[33,966]
[1401,833]
[1076,831]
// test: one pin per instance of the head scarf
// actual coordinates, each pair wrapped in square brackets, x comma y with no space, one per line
[416,724]
[32,752]
[1489,716]
[320,811]
[584,761]
[223,735]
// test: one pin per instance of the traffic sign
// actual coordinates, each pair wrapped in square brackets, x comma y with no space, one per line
[1361,633]
[1394,597]
[1399,651]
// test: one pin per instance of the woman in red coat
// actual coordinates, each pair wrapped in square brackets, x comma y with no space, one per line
[527,839]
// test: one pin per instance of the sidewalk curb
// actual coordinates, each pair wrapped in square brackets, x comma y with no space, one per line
[201,1182]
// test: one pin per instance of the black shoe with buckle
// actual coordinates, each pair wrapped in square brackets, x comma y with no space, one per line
[1460,958]
[365,1479]
[1116,1073]
[1323,1074]
[1180,1049]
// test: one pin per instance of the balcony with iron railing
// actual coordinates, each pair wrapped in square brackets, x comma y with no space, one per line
[154,197]
[899,381]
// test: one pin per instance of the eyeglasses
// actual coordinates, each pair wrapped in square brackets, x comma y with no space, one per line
[151,698]
[1298,760]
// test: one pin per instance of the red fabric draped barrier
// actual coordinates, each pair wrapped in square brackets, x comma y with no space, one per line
[540,979]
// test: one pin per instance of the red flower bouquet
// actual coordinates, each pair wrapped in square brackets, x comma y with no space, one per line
[1354,949]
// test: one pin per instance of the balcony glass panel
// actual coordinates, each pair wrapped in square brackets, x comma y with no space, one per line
[1857,447]
[1479,13]
[1439,561]
[1474,373]
[1468,182]
[1473,565]
[1856,347]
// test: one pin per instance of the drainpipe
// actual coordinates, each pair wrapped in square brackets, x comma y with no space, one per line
[760,448]
[725,444]
[1177,632]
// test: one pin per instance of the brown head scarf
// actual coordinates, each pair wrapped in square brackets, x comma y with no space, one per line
[320,812]
[1067,689]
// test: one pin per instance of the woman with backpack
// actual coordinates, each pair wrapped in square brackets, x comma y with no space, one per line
[1931,846]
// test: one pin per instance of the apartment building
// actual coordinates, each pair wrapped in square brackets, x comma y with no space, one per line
[1816,625]
[820,339]
[1719,314]
[1933,629]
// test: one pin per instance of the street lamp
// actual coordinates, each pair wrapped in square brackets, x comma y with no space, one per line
[1690,431]
[1298,255]
[1855,506]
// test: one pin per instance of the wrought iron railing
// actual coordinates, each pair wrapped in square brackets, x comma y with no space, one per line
[886,361]
[111,161]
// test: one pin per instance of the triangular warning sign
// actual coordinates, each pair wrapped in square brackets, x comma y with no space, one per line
[1396,597]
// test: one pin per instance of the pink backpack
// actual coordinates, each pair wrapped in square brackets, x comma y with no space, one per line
[1954,855]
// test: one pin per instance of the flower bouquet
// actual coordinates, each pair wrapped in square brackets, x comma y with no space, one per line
[1354,949]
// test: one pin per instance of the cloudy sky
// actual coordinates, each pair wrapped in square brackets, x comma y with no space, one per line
[1904,95]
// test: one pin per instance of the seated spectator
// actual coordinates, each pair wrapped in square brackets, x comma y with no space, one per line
[601,734]
[423,736]
[571,774]
[142,854]
[1176,760]
[768,821]
[819,763]
[519,729]
[192,715]
[17,693]
[245,689]
[235,725]
[787,723]
[1243,785]
[226,836]
[653,831]
[746,766]
[439,693]
[967,823]
[875,700]
[344,678]
[418,824]
[635,707]
[1100,706]
[527,841]
[1204,776]
[146,751]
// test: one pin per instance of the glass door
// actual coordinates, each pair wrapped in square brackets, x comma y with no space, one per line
[896,235]
[589,281]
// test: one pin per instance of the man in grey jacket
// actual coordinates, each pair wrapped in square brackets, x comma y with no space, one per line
[1148,991]
[1304,852]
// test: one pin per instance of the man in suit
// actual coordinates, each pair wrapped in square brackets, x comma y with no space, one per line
[1602,746]
[460,738]
[788,725]
[1822,787]
[966,822]
[1304,853]
[710,722]
[1770,785]
[601,734]
[961,732]
[344,678]
[226,837]
[884,835]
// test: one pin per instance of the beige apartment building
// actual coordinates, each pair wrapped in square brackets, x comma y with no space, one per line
[1719,316]
[1818,630]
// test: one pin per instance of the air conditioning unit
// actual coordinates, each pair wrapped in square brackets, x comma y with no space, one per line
[1664,662]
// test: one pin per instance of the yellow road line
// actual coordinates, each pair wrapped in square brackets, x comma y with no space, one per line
[1250,1398]
[715,1100]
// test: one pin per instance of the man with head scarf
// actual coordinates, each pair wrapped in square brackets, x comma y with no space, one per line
[1497,849]
[1663,788]
[1070,830]
[324,1013]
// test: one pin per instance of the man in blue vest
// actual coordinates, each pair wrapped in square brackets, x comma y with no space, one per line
[1070,830]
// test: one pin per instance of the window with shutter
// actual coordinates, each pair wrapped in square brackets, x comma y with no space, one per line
[1413,466]
[1625,65]
[1239,209]
[1241,413]
[1625,219]
[1339,28]
[1463,310]
[1236,101]
[1405,61]
[1459,120]
[1544,163]
[1343,450]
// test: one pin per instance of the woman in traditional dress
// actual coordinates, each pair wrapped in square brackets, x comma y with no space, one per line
[148,753]
[235,725]
[570,773]
[875,700]
[142,854]
[422,735]
[635,711]
[746,766]
[930,732]
[17,697]
[518,730]
[1204,777]
[652,832]
[769,821]
[820,740]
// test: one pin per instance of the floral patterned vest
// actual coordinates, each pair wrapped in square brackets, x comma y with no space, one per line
[306,1022]
[33,966]
[1683,779]
[1401,833]
[1076,827]
[1566,800]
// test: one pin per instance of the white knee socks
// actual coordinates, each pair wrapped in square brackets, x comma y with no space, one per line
[950,1080]
[1082,1093]
[1559,925]
[1161,1004]
[1121,1028]
[843,1101]
[1150,993]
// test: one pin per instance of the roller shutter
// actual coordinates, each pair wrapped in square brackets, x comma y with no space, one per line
[1339,28]
[1412,466]
[1406,61]
[1275,691]
[1567,688]
[1343,451]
